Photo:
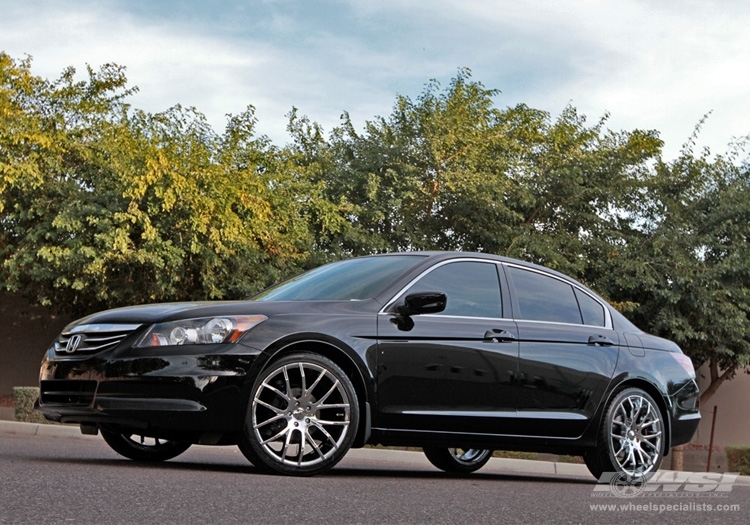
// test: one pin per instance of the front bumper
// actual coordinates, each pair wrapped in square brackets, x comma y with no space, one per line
[174,391]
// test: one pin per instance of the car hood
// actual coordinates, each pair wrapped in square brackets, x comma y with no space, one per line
[155,313]
[152,313]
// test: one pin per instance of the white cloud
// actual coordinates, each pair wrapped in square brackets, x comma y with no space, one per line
[652,65]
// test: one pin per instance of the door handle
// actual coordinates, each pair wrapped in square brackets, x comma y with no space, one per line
[600,340]
[499,336]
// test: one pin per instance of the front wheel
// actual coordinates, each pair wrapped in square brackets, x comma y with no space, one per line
[631,440]
[302,417]
[458,460]
[143,448]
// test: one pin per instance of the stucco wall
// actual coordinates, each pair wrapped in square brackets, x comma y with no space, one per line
[25,333]
[732,415]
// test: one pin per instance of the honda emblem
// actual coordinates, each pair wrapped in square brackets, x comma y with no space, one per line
[73,343]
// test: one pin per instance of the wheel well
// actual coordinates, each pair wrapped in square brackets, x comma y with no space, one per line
[658,397]
[350,369]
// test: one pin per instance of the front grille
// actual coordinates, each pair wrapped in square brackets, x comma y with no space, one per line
[92,338]
[65,392]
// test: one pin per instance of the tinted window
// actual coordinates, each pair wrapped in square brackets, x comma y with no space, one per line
[543,298]
[472,288]
[593,312]
[353,279]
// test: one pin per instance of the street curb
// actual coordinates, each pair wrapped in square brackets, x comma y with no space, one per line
[495,465]
[40,429]
[396,457]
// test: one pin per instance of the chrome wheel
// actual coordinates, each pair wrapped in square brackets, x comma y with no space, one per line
[143,448]
[458,460]
[302,416]
[469,456]
[635,438]
[631,442]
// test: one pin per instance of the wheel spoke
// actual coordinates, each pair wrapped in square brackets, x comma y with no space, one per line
[314,445]
[276,437]
[333,388]
[326,434]
[270,420]
[277,410]
[640,455]
[332,423]
[315,383]
[302,375]
[335,405]
[289,394]
[276,391]
[287,442]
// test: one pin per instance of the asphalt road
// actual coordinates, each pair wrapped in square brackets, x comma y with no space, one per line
[57,480]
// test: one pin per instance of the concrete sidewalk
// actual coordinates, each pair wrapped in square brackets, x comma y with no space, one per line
[380,456]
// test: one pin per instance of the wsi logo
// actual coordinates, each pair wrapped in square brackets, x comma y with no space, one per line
[666,483]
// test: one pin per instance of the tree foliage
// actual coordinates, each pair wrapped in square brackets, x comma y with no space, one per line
[102,205]
[685,268]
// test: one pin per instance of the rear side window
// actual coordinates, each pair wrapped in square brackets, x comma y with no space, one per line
[472,288]
[543,298]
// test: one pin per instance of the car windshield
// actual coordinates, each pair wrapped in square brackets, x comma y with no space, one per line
[349,280]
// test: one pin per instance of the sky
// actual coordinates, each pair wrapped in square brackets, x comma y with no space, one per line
[650,64]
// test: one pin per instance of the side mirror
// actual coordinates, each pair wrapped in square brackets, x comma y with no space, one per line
[423,303]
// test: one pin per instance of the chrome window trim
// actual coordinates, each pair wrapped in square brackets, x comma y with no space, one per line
[383,311]
[607,315]
[608,325]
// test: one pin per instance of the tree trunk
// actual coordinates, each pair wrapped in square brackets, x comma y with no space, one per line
[678,460]
[717,378]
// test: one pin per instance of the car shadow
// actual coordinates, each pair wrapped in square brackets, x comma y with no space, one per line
[340,471]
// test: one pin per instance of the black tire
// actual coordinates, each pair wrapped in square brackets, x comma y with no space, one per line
[302,416]
[458,460]
[142,448]
[631,439]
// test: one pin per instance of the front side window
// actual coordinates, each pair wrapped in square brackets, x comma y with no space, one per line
[544,298]
[472,288]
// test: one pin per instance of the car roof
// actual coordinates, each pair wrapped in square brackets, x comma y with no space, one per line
[437,255]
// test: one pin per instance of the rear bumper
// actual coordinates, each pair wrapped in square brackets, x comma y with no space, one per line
[685,412]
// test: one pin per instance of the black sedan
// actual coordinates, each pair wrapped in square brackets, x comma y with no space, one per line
[457,353]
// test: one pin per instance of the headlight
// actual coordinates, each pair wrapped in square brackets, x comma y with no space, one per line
[204,331]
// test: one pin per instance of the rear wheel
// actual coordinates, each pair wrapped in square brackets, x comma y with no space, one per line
[458,460]
[302,416]
[142,448]
[631,440]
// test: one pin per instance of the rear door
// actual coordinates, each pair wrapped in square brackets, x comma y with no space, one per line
[567,355]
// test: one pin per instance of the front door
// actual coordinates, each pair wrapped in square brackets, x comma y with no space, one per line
[454,371]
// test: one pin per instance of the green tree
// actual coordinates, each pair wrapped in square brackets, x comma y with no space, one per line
[103,207]
[684,266]
[451,171]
